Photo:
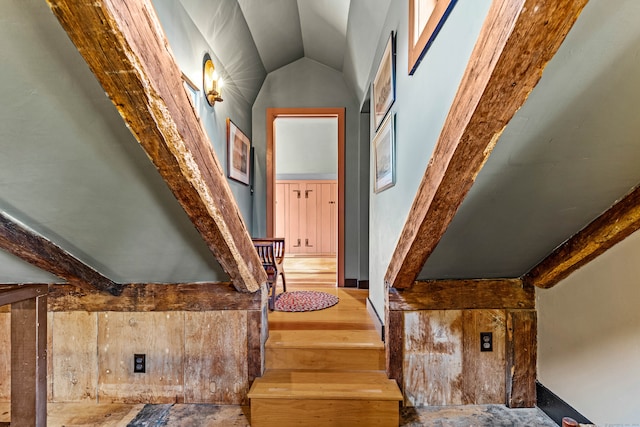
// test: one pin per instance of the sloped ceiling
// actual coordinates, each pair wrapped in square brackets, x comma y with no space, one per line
[71,170]
[569,154]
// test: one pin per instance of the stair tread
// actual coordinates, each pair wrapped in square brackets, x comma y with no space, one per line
[343,339]
[317,384]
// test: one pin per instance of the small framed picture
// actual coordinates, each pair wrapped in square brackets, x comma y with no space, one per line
[384,84]
[238,153]
[384,147]
[426,17]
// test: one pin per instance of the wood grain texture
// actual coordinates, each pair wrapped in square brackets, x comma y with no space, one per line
[521,358]
[123,44]
[463,294]
[159,335]
[433,351]
[394,346]
[29,362]
[516,42]
[43,253]
[256,339]
[610,228]
[5,357]
[74,359]
[483,372]
[155,297]
[215,357]
[323,413]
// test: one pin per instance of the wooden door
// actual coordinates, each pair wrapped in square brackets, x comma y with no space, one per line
[306,216]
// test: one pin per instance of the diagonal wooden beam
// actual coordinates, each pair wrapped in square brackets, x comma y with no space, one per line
[123,43]
[517,40]
[613,226]
[44,254]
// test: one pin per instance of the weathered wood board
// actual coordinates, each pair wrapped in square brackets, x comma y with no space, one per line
[521,358]
[158,335]
[215,357]
[74,360]
[483,372]
[433,350]
[5,357]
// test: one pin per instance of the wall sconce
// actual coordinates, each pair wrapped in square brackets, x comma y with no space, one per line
[211,82]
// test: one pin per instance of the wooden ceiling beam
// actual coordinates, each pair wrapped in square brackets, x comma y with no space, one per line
[125,47]
[41,252]
[610,228]
[516,42]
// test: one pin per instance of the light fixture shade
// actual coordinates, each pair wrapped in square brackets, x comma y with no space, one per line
[211,82]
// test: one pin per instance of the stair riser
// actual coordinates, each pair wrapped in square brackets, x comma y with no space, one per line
[337,359]
[311,412]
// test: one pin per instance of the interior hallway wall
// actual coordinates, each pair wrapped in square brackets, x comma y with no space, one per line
[422,104]
[306,84]
[589,336]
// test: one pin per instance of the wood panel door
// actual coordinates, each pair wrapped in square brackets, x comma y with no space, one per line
[306,216]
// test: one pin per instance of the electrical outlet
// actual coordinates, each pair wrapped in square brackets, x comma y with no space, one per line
[486,341]
[140,363]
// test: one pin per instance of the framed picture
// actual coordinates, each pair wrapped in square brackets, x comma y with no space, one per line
[238,153]
[384,84]
[384,148]
[426,17]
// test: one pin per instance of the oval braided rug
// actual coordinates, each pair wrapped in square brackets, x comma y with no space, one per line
[305,301]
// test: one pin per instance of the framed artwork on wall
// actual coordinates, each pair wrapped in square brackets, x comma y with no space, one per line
[384,148]
[384,84]
[426,17]
[238,154]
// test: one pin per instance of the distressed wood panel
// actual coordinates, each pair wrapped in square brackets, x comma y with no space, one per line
[257,333]
[215,366]
[433,357]
[463,294]
[74,359]
[159,335]
[5,357]
[123,44]
[156,297]
[394,348]
[29,362]
[484,372]
[521,358]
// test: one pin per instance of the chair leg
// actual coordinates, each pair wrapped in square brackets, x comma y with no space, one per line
[284,282]
[272,298]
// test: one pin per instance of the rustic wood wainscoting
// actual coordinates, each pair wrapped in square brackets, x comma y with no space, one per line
[433,342]
[203,344]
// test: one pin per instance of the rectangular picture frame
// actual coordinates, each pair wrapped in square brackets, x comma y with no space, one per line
[426,17]
[384,148]
[383,89]
[238,154]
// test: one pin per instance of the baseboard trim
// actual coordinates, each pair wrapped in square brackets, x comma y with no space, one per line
[363,284]
[555,407]
[376,319]
[350,283]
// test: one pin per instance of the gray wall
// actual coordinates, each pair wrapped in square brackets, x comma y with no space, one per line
[189,47]
[422,103]
[304,84]
[589,336]
[71,170]
[306,148]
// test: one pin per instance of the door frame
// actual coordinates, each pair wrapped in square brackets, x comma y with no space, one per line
[340,114]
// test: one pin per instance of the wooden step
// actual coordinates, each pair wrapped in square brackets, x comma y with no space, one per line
[325,349]
[324,398]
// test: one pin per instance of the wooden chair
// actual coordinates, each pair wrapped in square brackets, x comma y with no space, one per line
[271,253]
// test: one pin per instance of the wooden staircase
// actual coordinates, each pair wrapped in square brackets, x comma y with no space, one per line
[324,376]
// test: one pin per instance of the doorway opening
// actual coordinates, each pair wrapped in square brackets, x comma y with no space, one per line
[315,204]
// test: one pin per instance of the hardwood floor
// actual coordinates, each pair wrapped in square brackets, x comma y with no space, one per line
[349,315]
